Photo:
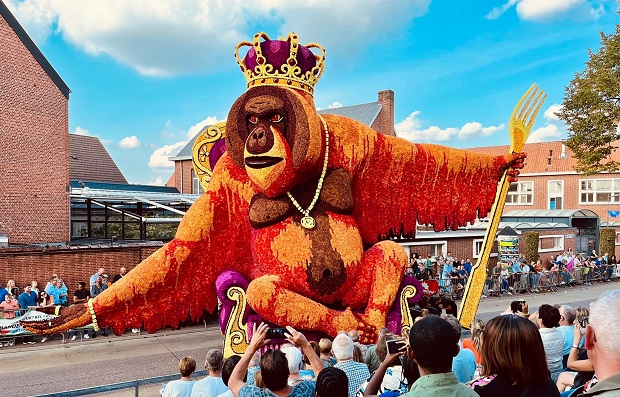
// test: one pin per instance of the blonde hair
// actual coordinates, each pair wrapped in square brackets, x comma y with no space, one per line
[477,330]
[187,366]
[325,345]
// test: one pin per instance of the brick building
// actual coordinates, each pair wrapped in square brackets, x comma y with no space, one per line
[34,198]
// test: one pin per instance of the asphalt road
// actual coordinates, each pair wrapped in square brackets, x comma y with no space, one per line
[27,370]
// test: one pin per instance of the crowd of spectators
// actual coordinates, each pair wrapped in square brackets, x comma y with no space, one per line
[15,302]
[516,354]
[516,274]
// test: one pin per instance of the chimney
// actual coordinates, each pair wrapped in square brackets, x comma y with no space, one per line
[563,153]
[386,115]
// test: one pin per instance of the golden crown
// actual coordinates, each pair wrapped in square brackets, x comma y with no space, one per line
[281,62]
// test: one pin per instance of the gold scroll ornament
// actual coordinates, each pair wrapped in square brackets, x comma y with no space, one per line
[236,338]
[405,314]
[205,140]
[521,122]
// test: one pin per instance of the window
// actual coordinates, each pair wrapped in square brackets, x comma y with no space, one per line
[520,193]
[196,186]
[435,248]
[550,243]
[477,248]
[599,191]
[556,195]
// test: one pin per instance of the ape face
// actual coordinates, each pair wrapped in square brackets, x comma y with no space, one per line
[275,134]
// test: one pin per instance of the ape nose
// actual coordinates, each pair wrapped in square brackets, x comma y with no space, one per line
[258,134]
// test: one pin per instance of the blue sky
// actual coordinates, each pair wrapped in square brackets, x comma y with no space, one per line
[146,75]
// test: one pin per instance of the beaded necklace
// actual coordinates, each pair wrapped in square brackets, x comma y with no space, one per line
[307,221]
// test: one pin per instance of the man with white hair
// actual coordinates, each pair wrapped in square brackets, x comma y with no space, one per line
[567,328]
[294,358]
[212,385]
[602,344]
[357,373]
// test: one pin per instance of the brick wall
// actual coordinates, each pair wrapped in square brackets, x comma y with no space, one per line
[34,149]
[71,265]
[183,176]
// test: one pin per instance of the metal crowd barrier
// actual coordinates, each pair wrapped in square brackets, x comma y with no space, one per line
[132,384]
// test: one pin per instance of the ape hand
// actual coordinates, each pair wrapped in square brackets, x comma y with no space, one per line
[514,163]
[68,318]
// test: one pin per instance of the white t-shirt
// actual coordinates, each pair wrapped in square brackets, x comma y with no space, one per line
[211,386]
[179,388]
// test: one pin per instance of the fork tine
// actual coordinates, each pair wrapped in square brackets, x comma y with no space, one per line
[525,108]
[518,107]
[529,110]
[540,100]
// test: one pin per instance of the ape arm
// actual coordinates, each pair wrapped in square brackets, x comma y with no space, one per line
[177,282]
[397,183]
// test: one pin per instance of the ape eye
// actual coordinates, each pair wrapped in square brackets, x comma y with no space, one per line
[276,118]
[253,119]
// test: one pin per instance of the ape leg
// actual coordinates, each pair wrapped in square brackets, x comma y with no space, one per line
[385,264]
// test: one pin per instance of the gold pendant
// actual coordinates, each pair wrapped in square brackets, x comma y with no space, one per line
[308,222]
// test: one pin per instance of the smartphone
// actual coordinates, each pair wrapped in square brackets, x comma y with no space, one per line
[276,333]
[394,346]
[517,306]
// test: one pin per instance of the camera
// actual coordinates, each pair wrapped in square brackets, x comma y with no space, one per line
[517,306]
[276,333]
[394,346]
[583,322]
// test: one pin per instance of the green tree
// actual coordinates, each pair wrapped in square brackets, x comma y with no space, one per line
[592,108]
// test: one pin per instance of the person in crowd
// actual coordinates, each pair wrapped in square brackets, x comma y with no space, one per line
[474,344]
[121,273]
[8,306]
[182,387]
[274,367]
[372,359]
[358,356]
[467,266]
[212,385]
[355,337]
[81,294]
[106,280]
[98,287]
[325,345]
[357,373]
[227,369]
[52,289]
[433,344]
[567,319]
[293,359]
[45,300]
[253,368]
[422,272]
[464,363]
[35,287]
[580,368]
[553,340]
[63,293]
[394,376]
[258,380]
[513,360]
[28,298]
[602,344]
[10,284]
[95,290]
[93,278]
[332,382]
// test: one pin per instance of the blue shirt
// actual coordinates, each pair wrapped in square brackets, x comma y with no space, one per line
[63,299]
[55,292]
[467,266]
[26,299]
[464,365]
[357,373]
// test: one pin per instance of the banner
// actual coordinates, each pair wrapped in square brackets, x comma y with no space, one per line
[11,326]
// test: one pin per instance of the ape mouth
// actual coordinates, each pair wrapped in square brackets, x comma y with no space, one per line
[258,162]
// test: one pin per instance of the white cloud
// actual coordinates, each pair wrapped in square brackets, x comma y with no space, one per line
[157,182]
[550,113]
[161,38]
[130,142]
[196,128]
[549,132]
[159,158]
[539,10]
[335,105]
[411,129]
[82,131]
